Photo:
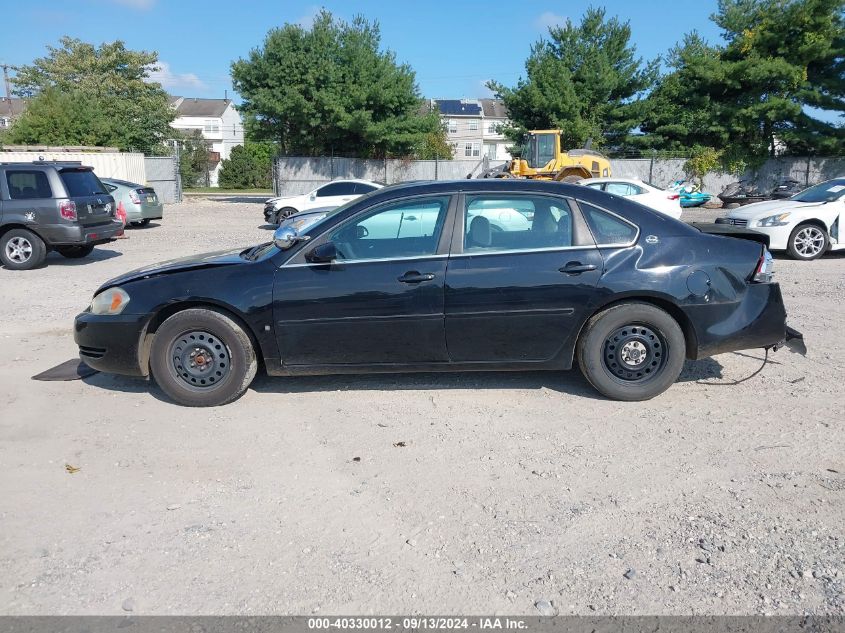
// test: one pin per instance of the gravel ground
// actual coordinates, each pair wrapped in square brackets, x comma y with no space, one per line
[474,493]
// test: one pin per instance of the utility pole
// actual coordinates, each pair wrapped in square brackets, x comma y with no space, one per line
[6,68]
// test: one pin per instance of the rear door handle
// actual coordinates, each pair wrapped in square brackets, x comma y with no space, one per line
[576,268]
[413,277]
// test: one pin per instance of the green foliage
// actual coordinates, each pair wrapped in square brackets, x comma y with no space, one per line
[751,95]
[435,144]
[583,79]
[63,118]
[110,80]
[330,90]
[193,157]
[702,162]
[248,167]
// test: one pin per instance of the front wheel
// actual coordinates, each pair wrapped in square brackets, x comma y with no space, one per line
[202,358]
[631,351]
[284,213]
[807,241]
[75,252]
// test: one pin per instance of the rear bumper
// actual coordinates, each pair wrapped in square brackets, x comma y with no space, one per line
[111,343]
[145,212]
[78,235]
[758,320]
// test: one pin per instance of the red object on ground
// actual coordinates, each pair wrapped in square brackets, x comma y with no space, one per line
[120,214]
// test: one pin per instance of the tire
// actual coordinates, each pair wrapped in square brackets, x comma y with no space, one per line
[21,249]
[208,383]
[631,351]
[74,252]
[281,214]
[572,180]
[807,242]
[143,222]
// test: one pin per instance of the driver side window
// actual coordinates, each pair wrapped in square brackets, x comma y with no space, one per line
[408,228]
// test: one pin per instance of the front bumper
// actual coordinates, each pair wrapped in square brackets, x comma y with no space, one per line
[757,320]
[79,235]
[270,213]
[111,343]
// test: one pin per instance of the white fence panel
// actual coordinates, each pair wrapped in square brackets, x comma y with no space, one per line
[123,165]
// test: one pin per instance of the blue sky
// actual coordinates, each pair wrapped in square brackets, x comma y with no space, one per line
[454,46]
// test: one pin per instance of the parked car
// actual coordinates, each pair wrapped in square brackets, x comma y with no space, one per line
[666,202]
[806,225]
[626,292]
[140,202]
[47,205]
[331,194]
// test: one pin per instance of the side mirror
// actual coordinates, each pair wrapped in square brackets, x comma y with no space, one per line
[322,254]
[313,197]
[284,237]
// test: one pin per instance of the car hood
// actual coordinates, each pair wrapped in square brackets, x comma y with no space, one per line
[279,198]
[193,262]
[769,207]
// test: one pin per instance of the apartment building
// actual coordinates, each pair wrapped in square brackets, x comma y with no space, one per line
[473,127]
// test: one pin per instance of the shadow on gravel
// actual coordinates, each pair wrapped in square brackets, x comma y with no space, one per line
[268,227]
[98,255]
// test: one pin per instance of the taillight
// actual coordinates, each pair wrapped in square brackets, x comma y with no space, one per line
[674,196]
[765,267]
[133,196]
[67,209]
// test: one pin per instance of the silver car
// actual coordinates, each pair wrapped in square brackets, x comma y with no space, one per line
[140,203]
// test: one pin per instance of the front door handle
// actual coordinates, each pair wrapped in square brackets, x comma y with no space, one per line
[413,277]
[576,268]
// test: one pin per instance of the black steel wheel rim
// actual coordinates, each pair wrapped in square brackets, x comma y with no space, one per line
[634,353]
[199,359]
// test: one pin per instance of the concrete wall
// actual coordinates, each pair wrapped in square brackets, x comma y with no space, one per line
[665,171]
[122,165]
[300,175]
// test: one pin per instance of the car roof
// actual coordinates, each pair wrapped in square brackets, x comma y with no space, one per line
[612,179]
[360,180]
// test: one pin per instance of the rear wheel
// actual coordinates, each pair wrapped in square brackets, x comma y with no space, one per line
[74,252]
[631,351]
[21,249]
[807,241]
[202,358]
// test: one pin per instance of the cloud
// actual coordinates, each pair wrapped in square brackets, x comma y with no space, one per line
[548,20]
[170,80]
[140,5]
[307,20]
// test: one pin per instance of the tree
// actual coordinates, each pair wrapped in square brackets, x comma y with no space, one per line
[109,79]
[248,167]
[435,144]
[62,118]
[754,94]
[584,79]
[193,157]
[329,90]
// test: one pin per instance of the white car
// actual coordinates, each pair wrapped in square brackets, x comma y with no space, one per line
[806,225]
[666,202]
[331,194]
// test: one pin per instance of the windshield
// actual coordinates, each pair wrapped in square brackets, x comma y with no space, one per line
[541,150]
[825,192]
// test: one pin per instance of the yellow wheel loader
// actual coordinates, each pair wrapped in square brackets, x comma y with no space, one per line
[543,158]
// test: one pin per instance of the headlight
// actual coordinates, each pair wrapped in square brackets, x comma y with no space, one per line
[774,220]
[111,301]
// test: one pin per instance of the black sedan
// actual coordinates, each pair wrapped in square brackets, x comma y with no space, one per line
[445,276]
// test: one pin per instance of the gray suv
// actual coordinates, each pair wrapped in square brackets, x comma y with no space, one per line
[46,205]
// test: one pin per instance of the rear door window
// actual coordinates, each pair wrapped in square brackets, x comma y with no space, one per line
[28,185]
[608,229]
[81,183]
[496,223]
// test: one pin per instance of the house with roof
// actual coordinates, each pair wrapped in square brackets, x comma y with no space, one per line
[473,127]
[218,121]
[10,109]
